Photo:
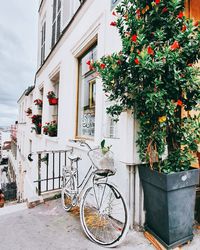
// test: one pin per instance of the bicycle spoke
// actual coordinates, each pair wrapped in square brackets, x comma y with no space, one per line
[105,224]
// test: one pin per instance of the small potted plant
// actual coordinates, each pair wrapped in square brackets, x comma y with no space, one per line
[28,111]
[45,128]
[37,121]
[38,103]
[52,98]
[50,128]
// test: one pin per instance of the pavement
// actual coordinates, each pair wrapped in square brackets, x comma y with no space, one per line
[49,227]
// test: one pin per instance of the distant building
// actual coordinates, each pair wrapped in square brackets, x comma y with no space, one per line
[4,140]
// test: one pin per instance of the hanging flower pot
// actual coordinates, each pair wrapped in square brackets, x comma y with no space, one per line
[38,103]
[53,101]
[50,128]
[52,98]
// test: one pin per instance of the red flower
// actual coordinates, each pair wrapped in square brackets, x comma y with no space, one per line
[184,28]
[102,66]
[113,24]
[180,15]
[150,51]
[164,10]
[137,61]
[175,45]
[190,64]
[40,125]
[196,23]
[157,1]
[134,38]
[119,62]
[88,62]
[179,103]
[113,13]
[138,12]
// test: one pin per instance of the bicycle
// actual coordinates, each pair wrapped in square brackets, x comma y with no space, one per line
[103,212]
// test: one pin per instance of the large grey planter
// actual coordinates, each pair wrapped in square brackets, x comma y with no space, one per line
[169,201]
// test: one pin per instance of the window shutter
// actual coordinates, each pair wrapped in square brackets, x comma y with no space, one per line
[54,9]
[58,25]
[53,34]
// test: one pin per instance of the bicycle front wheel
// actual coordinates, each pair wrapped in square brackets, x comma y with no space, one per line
[103,215]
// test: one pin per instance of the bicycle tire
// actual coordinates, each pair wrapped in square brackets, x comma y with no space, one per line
[105,223]
[68,190]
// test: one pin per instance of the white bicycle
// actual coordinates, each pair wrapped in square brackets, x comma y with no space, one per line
[103,212]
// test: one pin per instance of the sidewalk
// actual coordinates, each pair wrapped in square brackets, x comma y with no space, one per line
[12,209]
[49,227]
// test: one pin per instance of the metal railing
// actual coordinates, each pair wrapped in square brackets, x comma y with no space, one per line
[49,174]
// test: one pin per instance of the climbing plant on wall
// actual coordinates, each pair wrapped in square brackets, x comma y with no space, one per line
[155,75]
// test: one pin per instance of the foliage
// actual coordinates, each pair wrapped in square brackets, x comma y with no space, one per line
[37,121]
[50,128]
[51,94]
[104,148]
[38,102]
[154,76]
[28,111]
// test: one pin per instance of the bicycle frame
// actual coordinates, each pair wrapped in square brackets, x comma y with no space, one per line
[80,187]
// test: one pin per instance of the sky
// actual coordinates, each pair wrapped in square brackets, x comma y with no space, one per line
[18,54]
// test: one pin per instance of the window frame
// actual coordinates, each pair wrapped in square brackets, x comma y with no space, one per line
[91,81]
[56,26]
[43,42]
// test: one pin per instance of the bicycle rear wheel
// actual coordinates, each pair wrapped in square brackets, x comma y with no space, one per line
[104,215]
[68,191]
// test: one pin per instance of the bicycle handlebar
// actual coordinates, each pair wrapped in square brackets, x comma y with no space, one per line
[81,142]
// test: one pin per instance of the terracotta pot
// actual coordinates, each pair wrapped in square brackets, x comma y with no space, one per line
[53,101]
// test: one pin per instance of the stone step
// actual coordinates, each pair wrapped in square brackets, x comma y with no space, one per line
[12,208]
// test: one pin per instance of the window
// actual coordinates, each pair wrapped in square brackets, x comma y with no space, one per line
[86,96]
[56,22]
[43,35]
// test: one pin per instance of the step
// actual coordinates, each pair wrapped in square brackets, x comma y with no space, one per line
[13,208]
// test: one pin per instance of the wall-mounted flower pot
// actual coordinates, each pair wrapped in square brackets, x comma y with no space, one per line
[39,108]
[52,134]
[53,101]
[169,201]
[38,130]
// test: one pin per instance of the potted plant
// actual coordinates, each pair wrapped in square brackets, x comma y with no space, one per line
[37,121]
[50,128]
[28,111]
[154,76]
[52,98]
[38,103]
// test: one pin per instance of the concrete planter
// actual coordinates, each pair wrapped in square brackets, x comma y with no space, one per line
[169,201]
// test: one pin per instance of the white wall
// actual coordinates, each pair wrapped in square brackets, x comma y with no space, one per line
[92,21]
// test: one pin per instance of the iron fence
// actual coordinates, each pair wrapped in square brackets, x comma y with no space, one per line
[50,165]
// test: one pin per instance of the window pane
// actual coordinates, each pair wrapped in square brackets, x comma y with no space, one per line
[58,26]
[53,34]
[87,97]
[59,5]
[54,9]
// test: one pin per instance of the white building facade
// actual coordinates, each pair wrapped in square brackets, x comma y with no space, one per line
[71,33]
